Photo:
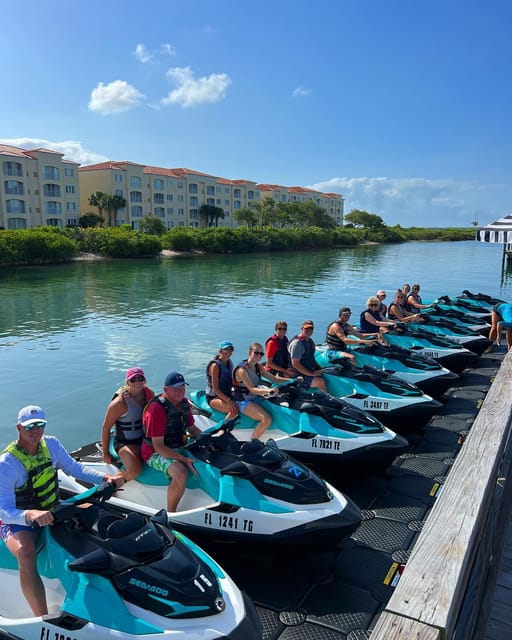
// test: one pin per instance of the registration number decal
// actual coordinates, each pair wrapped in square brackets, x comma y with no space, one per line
[320,443]
[375,404]
[222,521]
[48,634]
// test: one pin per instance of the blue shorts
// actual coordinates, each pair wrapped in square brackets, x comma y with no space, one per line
[307,381]
[243,404]
[8,530]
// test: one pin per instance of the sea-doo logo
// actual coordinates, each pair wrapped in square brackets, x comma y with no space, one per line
[152,588]
[297,471]
[284,485]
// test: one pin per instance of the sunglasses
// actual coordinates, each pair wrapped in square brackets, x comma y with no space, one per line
[282,328]
[228,349]
[374,305]
[137,379]
[34,425]
[258,353]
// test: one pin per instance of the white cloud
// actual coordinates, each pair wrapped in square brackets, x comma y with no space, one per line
[420,201]
[142,54]
[191,90]
[300,92]
[72,149]
[115,97]
[168,49]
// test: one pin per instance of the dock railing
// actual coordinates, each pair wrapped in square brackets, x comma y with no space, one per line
[432,590]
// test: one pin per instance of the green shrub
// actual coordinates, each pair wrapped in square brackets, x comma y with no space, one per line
[43,245]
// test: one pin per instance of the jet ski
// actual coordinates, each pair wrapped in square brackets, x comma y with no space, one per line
[447,352]
[398,404]
[113,574]
[459,318]
[425,373]
[466,336]
[243,492]
[479,299]
[445,304]
[320,429]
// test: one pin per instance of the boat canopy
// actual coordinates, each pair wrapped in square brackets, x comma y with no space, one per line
[499,231]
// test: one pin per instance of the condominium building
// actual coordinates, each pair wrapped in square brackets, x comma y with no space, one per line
[38,188]
[176,195]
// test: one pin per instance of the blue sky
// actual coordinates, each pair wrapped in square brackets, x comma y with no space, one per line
[402,106]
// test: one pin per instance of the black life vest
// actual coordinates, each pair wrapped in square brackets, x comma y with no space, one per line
[177,419]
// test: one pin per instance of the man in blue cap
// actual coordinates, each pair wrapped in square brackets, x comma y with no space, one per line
[167,419]
[29,490]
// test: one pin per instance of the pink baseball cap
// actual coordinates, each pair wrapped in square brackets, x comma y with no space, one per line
[134,371]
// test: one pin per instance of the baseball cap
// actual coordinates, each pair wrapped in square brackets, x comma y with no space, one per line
[308,323]
[345,310]
[134,371]
[30,414]
[226,344]
[174,379]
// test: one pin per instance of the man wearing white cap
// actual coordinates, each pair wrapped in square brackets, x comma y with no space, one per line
[29,490]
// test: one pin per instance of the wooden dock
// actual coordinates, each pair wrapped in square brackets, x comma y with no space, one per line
[448,585]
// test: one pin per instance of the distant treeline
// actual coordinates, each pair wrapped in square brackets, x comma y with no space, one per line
[45,245]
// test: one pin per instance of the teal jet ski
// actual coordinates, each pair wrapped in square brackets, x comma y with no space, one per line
[244,491]
[318,428]
[479,299]
[441,326]
[400,405]
[425,373]
[111,573]
[447,352]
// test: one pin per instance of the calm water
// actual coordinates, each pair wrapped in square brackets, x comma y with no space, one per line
[68,333]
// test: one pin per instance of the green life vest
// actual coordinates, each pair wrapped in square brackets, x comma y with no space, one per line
[41,489]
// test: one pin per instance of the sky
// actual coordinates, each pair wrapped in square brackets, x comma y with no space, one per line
[402,106]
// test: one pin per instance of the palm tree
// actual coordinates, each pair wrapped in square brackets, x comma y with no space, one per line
[98,200]
[113,205]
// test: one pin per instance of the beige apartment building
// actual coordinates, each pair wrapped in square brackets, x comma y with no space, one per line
[176,195]
[38,188]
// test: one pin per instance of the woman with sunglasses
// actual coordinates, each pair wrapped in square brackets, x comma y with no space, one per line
[249,391]
[413,302]
[371,320]
[219,380]
[397,310]
[29,490]
[125,414]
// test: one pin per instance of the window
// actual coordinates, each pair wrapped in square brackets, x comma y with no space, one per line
[218,189]
[158,198]
[70,206]
[51,173]
[226,203]
[181,212]
[170,224]
[180,185]
[193,201]
[72,222]
[12,169]
[210,191]
[15,206]
[226,189]
[53,208]
[170,211]
[169,184]
[210,202]
[54,222]
[159,212]
[135,225]
[236,204]
[135,196]
[181,223]
[69,173]
[158,184]
[13,188]
[193,215]
[16,223]
[237,193]
[283,198]
[118,177]
[169,197]
[218,202]
[135,181]
[181,198]
[51,190]
[136,212]
[119,192]
[70,188]
[250,195]
[192,188]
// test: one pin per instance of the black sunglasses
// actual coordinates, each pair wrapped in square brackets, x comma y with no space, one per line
[137,379]
[34,425]
[258,353]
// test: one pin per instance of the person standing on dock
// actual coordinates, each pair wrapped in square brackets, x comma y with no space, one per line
[501,318]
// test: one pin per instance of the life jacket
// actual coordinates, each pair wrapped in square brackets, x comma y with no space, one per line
[332,340]
[411,307]
[401,309]
[129,427]
[175,435]
[364,325]
[307,359]
[225,378]
[41,489]
[281,357]
[241,392]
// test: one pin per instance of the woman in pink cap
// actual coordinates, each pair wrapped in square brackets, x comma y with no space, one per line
[125,413]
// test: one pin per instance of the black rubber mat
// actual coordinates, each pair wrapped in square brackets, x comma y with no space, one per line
[338,593]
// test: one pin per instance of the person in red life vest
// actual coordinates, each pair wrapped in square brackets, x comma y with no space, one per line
[29,490]
[167,420]
[125,414]
[276,348]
